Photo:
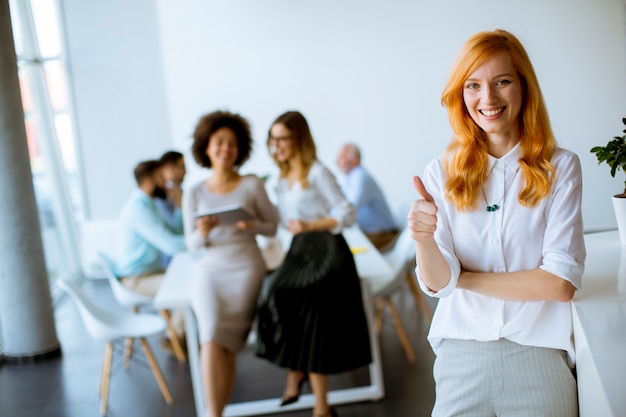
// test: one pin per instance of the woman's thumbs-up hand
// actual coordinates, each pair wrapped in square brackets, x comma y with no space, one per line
[422,216]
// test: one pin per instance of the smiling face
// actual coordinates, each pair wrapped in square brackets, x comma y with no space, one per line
[493,98]
[222,149]
[281,143]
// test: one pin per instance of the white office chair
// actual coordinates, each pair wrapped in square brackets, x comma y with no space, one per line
[123,295]
[401,258]
[134,301]
[111,327]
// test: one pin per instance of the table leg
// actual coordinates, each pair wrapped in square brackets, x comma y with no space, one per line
[193,355]
[176,346]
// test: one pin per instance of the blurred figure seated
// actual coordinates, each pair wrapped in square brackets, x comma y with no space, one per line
[373,214]
[145,236]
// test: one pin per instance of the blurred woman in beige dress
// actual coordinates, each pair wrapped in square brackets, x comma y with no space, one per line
[229,275]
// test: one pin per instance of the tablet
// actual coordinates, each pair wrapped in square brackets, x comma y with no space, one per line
[227,214]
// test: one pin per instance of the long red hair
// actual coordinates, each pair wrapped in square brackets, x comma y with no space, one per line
[466,160]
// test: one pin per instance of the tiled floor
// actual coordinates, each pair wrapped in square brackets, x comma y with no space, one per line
[68,387]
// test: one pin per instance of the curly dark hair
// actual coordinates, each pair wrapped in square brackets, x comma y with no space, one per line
[211,123]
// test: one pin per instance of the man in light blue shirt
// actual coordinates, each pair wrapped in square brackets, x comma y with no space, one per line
[373,214]
[145,236]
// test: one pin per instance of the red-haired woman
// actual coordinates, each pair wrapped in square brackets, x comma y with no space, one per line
[500,242]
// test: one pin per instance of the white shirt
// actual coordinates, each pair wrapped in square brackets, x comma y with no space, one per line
[512,238]
[321,199]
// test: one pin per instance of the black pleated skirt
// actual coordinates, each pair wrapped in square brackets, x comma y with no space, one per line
[311,315]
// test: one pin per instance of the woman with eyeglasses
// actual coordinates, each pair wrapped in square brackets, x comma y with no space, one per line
[311,317]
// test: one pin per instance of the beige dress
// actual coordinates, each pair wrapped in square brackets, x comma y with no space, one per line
[229,273]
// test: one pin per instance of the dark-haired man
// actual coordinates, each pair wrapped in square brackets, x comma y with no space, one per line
[146,235]
[173,170]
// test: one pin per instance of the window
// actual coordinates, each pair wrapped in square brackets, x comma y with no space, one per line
[50,131]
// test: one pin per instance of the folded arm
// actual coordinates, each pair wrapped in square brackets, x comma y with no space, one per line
[531,285]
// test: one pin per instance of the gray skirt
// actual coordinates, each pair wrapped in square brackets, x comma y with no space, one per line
[226,286]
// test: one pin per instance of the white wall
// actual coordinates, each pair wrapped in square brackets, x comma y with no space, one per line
[365,71]
[117,77]
[372,72]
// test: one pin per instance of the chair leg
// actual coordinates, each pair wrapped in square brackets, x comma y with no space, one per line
[378,319]
[156,371]
[419,297]
[128,351]
[128,345]
[400,329]
[105,378]
[178,350]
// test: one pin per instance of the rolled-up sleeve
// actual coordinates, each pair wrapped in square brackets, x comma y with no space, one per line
[340,208]
[564,248]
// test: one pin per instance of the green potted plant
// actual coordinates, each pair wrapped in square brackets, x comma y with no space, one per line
[614,154]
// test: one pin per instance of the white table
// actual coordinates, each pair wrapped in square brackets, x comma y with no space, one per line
[175,292]
[599,312]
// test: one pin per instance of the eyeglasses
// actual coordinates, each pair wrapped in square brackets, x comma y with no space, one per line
[276,139]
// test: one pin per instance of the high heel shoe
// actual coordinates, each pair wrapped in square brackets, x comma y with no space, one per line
[331,413]
[292,399]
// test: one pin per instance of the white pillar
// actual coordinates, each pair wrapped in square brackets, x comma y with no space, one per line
[26,313]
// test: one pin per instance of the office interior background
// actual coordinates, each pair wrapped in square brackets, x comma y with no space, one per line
[108,84]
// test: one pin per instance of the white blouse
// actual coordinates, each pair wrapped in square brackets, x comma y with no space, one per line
[510,238]
[321,199]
